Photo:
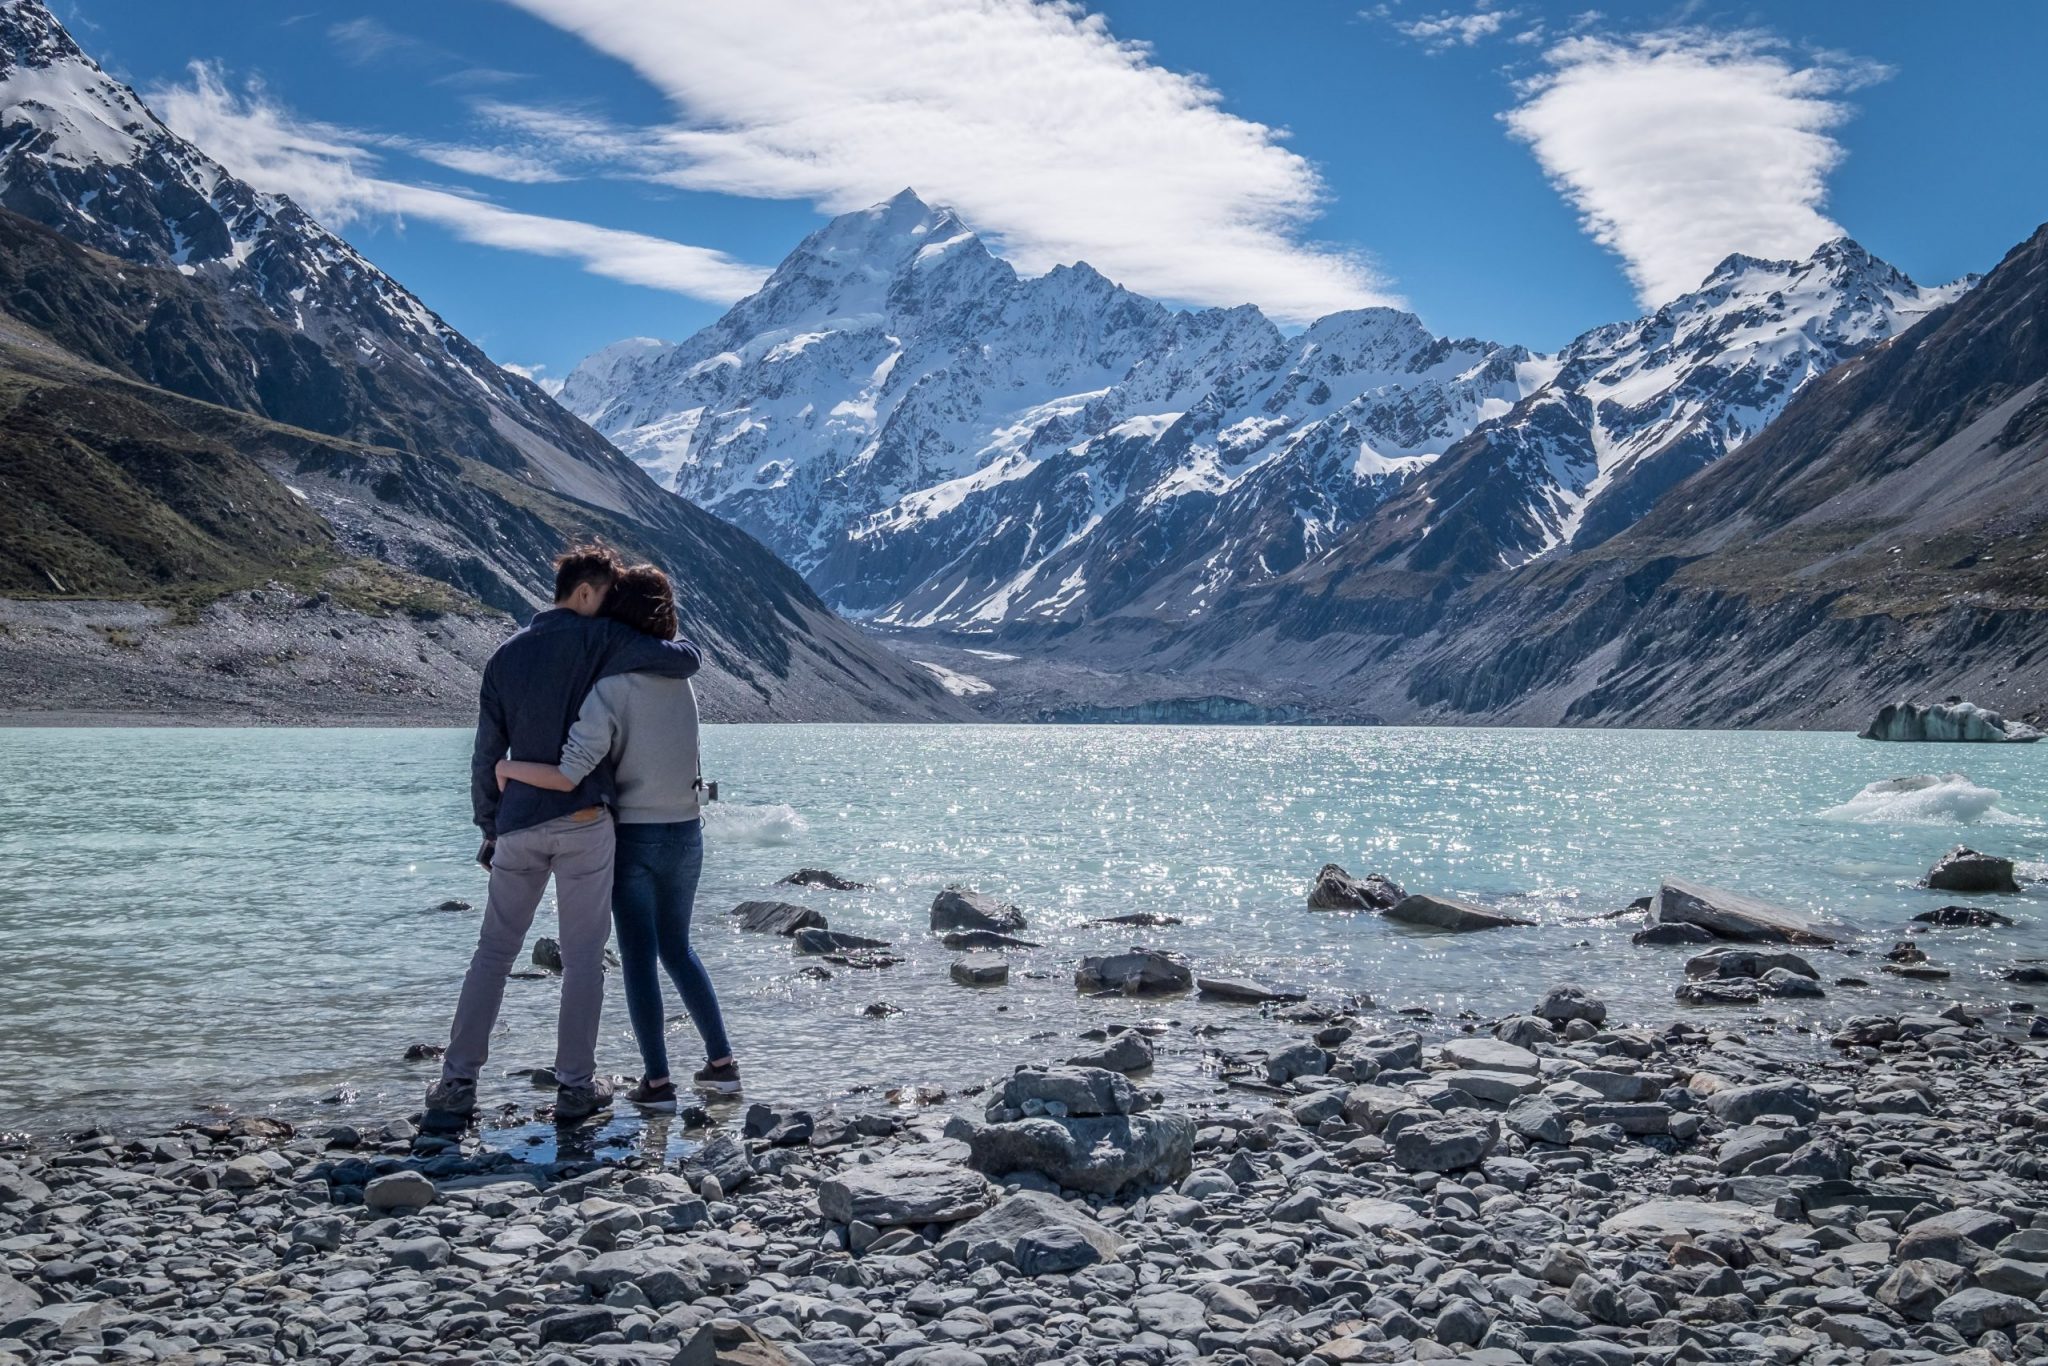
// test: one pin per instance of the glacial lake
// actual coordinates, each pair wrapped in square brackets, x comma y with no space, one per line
[246,918]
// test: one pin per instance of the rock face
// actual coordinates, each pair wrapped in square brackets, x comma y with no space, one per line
[1963,869]
[904,1190]
[1945,721]
[1444,913]
[1138,972]
[776,917]
[1731,915]
[1337,890]
[959,909]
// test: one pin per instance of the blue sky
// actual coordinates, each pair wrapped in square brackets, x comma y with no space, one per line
[1518,172]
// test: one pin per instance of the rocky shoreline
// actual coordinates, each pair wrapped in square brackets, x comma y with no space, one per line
[1553,1189]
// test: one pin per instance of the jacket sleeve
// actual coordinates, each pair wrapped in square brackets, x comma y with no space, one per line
[491,742]
[591,738]
[626,651]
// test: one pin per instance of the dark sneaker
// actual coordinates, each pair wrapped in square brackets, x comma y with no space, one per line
[574,1104]
[724,1079]
[661,1098]
[450,1104]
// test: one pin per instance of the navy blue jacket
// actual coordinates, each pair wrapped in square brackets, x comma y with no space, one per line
[532,690]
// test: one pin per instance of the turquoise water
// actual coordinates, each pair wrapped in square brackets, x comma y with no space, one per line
[193,918]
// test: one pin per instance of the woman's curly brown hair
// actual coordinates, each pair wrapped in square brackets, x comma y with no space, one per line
[643,598]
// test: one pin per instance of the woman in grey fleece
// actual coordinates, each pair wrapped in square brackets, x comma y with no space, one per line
[647,727]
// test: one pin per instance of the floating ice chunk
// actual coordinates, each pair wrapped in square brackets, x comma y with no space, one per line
[1921,799]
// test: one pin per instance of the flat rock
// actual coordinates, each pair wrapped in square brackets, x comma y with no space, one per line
[1243,990]
[1443,1145]
[819,941]
[1015,1227]
[1731,915]
[958,908]
[904,1190]
[1445,913]
[399,1191]
[1382,1216]
[1099,1156]
[1129,1051]
[1743,960]
[986,939]
[776,917]
[1489,1055]
[1689,1219]
[981,970]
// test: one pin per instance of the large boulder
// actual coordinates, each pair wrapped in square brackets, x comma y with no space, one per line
[776,917]
[1946,721]
[1667,1220]
[1079,1092]
[1016,1232]
[1103,1155]
[1739,960]
[957,908]
[1563,1004]
[665,1275]
[1137,972]
[1731,915]
[1444,1145]
[1444,913]
[1337,890]
[1963,869]
[904,1190]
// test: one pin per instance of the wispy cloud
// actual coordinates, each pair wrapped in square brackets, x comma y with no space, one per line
[334,174]
[365,40]
[1042,128]
[537,373]
[1450,29]
[1680,147]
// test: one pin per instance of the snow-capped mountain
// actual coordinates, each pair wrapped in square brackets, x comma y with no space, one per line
[80,153]
[1636,407]
[936,441]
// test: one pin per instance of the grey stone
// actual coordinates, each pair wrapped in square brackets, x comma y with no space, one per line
[1917,1285]
[1963,869]
[1443,1145]
[1137,972]
[1129,1051]
[1489,1055]
[1099,1156]
[1977,1311]
[817,941]
[1669,934]
[981,970]
[1689,1219]
[904,1190]
[1537,1119]
[1743,960]
[776,917]
[1020,1227]
[723,1158]
[1731,915]
[1337,890]
[957,908]
[1567,1002]
[1450,915]
[1714,992]
[1742,1104]
[399,1191]
[986,939]
[1243,990]
[1079,1091]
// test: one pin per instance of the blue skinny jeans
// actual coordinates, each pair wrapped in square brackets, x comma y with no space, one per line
[654,889]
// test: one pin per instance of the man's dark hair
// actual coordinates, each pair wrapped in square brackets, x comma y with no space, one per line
[643,598]
[591,562]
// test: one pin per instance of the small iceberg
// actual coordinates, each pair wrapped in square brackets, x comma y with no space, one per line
[1920,799]
[1946,722]
[766,826]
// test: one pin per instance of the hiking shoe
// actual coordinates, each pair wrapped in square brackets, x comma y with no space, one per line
[661,1098]
[724,1079]
[574,1104]
[451,1102]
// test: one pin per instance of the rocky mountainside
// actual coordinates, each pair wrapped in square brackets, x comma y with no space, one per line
[1885,537]
[131,253]
[939,444]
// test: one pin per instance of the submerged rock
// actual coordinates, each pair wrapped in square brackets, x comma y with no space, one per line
[1945,722]
[1444,913]
[1242,989]
[819,941]
[1971,917]
[1963,869]
[1674,933]
[986,939]
[1337,890]
[1731,915]
[1137,972]
[776,917]
[1141,919]
[820,877]
[957,908]
[1735,960]
[981,970]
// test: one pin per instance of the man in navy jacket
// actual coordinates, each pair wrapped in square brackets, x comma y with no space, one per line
[532,690]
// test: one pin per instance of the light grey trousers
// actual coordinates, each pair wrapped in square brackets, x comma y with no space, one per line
[579,856]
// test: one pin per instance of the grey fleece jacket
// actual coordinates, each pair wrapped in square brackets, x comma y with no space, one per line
[648,725]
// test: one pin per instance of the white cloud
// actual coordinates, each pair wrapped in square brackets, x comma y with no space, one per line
[331,173]
[1442,32]
[549,385]
[1678,148]
[1032,119]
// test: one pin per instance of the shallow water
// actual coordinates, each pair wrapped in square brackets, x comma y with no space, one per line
[244,917]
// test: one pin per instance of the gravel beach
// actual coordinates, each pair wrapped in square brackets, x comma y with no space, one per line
[1554,1188]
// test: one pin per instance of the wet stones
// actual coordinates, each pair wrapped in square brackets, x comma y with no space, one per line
[1337,890]
[775,917]
[958,908]
[1963,869]
[1453,916]
[1136,972]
